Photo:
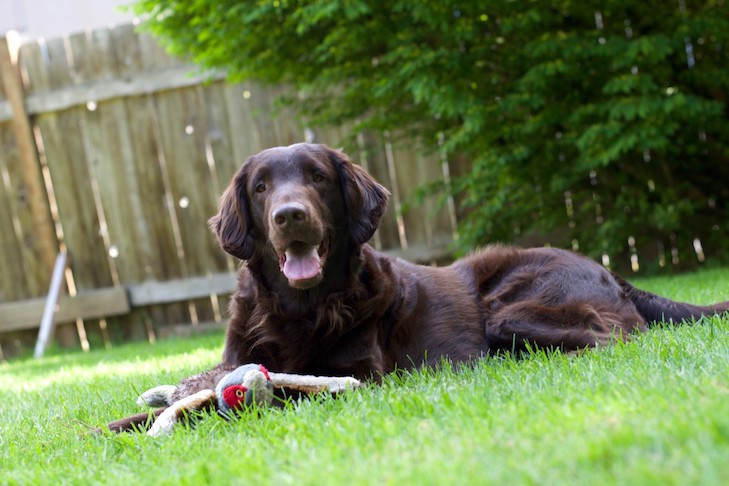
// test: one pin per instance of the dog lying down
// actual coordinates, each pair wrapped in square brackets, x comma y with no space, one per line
[314,298]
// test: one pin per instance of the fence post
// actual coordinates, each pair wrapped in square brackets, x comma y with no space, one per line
[43,228]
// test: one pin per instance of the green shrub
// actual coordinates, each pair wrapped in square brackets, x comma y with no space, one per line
[614,108]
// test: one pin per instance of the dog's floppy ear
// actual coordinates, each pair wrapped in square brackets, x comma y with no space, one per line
[232,224]
[364,198]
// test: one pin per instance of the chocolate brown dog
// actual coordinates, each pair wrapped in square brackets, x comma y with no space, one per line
[313,297]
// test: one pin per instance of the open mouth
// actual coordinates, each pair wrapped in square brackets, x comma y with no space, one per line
[303,263]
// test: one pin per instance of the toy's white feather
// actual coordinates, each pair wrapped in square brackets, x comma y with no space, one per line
[333,384]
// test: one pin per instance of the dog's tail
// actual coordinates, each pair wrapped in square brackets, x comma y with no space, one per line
[655,308]
[138,422]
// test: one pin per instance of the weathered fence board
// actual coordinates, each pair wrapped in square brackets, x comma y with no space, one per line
[22,175]
[371,151]
[439,221]
[245,139]
[13,284]
[142,54]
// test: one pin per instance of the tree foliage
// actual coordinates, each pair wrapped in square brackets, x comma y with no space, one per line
[589,121]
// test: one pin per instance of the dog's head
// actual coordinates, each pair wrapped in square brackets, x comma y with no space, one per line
[298,201]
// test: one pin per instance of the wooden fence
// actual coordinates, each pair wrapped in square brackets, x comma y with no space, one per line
[116,153]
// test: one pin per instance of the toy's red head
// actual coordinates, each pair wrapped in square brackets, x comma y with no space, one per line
[246,385]
[235,396]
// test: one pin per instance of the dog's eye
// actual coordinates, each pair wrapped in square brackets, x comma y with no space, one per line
[318,177]
[260,187]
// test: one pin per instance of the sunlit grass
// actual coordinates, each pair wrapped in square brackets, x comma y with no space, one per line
[651,411]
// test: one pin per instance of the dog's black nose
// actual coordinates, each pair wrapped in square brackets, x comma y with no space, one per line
[289,215]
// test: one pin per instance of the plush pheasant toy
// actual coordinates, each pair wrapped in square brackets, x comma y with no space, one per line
[243,387]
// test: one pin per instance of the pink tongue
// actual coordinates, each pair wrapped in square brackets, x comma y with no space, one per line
[301,267]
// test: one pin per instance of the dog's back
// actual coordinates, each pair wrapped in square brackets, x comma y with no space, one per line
[556,298]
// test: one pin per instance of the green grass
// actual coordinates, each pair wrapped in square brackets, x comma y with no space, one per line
[652,411]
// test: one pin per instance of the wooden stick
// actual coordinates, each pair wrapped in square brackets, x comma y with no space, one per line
[49,312]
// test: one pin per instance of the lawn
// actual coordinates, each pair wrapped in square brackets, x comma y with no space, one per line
[652,411]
